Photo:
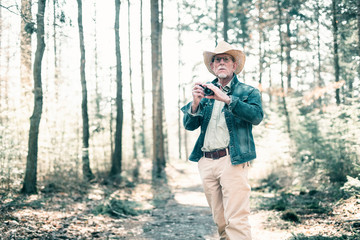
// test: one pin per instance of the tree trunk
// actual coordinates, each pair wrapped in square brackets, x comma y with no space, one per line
[179,80]
[288,52]
[96,66]
[133,120]
[216,21]
[280,12]
[320,82]
[27,27]
[358,18]
[87,174]
[29,185]
[158,135]
[260,30]
[336,50]
[56,65]
[142,136]
[1,77]
[116,163]
[226,20]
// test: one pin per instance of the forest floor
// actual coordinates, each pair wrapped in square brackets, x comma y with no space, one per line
[176,209]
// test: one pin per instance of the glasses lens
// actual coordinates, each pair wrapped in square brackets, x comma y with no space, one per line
[218,59]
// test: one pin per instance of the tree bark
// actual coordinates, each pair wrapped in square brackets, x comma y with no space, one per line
[358,18]
[226,20]
[87,173]
[1,77]
[116,163]
[336,50]
[142,136]
[29,185]
[27,27]
[158,134]
[260,30]
[179,80]
[288,53]
[280,12]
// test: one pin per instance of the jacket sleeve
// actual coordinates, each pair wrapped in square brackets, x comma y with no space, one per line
[248,107]
[192,121]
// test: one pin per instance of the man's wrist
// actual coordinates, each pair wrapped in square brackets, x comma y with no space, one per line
[228,100]
[194,108]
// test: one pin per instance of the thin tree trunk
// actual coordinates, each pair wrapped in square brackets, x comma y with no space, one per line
[87,173]
[96,66]
[158,135]
[1,77]
[358,18]
[216,21]
[179,80]
[336,50]
[25,48]
[142,136]
[29,185]
[260,30]
[288,52]
[133,120]
[116,165]
[320,82]
[226,20]
[56,67]
[281,69]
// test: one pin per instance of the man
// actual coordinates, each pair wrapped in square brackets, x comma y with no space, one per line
[225,145]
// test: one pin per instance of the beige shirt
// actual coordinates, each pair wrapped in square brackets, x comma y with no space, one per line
[217,134]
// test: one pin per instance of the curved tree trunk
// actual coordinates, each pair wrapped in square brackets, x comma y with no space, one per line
[87,174]
[29,185]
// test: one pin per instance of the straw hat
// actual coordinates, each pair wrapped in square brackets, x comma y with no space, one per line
[224,47]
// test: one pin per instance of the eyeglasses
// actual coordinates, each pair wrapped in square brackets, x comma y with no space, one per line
[218,59]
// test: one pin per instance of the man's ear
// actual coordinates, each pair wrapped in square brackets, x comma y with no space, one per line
[235,65]
[212,65]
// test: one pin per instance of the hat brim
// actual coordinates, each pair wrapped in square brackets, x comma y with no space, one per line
[238,55]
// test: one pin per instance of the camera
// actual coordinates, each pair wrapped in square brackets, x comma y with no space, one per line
[208,91]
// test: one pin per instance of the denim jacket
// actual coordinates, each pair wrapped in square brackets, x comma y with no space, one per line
[243,111]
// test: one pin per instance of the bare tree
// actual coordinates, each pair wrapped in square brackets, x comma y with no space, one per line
[29,185]
[87,173]
[142,136]
[116,161]
[159,162]
[336,49]
[225,19]
[27,28]
[280,22]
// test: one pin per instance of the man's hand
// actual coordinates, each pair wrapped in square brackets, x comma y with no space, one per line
[218,94]
[198,94]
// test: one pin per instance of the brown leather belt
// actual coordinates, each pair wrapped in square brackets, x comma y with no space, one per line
[216,154]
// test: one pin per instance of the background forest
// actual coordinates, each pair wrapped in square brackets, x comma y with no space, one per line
[91,91]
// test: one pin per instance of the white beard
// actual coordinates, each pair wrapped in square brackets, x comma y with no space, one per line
[222,75]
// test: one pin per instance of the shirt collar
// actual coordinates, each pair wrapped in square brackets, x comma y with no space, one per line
[226,88]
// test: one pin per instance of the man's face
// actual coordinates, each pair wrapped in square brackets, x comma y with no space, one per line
[223,65]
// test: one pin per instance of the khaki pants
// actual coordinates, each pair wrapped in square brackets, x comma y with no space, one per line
[228,194]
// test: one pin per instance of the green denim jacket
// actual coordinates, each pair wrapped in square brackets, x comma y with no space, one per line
[243,111]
